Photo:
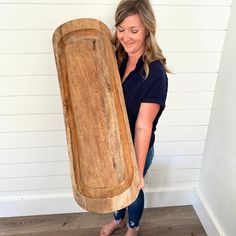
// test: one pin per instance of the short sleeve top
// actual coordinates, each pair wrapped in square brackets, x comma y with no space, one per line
[137,89]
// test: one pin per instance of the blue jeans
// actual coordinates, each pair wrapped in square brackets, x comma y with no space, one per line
[135,210]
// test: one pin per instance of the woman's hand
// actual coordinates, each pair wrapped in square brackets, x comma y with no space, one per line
[141,185]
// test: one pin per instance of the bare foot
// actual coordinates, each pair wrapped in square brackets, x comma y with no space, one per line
[132,232]
[109,228]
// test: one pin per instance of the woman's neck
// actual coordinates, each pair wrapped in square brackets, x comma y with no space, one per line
[131,64]
[133,59]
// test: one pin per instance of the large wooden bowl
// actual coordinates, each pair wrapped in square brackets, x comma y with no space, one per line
[102,159]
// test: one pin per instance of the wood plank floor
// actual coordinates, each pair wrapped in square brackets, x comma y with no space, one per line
[166,221]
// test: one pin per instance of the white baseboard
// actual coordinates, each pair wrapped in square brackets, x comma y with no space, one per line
[169,197]
[206,216]
[65,203]
[38,205]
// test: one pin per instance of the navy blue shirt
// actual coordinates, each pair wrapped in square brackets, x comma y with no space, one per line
[138,89]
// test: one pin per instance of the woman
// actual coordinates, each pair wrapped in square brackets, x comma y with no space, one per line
[143,72]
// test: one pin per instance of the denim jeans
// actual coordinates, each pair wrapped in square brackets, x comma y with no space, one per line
[135,210]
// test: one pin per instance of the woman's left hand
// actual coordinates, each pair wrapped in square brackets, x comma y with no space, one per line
[141,185]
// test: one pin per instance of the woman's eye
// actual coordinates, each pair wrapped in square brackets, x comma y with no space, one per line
[134,31]
[120,30]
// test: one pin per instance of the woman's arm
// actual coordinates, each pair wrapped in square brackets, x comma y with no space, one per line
[143,130]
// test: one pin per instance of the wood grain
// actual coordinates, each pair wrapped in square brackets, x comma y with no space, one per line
[102,158]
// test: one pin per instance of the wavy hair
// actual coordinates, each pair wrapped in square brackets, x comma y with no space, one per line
[143,8]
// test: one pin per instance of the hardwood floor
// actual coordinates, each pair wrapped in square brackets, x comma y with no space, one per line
[166,221]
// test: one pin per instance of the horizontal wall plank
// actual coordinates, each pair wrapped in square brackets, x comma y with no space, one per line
[23,170]
[158,176]
[40,41]
[26,123]
[44,64]
[198,17]
[163,134]
[192,82]
[56,138]
[53,104]
[33,155]
[29,85]
[162,187]
[53,139]
[53,190]
[184,117]
[35,183]
[27,64]
[58,154]
[189,100]
[16,16]
[179,148]
[22,194]
[196,40]
[26,41]
[50,122]
[190,133]
[176,162]
[192,2]
[30,105]
[62,182]
[193,62]
[48,85]
[28,139]
[153,2]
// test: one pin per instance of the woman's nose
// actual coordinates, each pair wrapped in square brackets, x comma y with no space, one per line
[126,36]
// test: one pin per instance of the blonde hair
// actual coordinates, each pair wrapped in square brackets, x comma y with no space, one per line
[144,9]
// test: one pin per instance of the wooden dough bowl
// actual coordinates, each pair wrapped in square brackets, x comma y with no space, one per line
[103,165]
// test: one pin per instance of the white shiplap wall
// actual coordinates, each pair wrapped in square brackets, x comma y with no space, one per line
[34,172]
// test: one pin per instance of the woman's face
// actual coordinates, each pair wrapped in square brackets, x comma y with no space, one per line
[131,33]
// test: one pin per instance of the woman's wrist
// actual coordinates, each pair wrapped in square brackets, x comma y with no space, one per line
[141,174]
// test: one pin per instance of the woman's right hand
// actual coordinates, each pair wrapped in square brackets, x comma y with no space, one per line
[141,184]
